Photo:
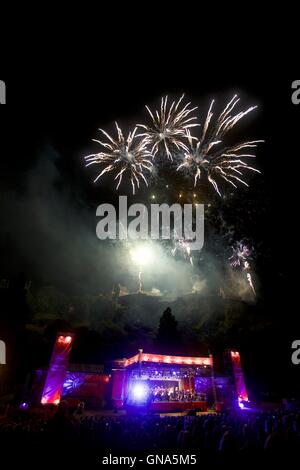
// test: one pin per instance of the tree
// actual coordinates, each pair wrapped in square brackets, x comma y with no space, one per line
[168,336]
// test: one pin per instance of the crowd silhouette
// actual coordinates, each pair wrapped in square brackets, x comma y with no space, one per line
[240,434]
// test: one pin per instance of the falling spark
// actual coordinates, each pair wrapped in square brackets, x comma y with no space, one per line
[123,156]
[140,282]
[207,154]
[168,127]
[249,279]
[240,257]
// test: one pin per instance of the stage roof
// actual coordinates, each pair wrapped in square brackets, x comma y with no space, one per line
[162,359]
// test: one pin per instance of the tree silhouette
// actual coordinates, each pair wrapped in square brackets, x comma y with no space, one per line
[168,336]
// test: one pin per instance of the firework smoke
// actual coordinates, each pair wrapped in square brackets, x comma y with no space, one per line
[183,247]
[123,156]
[168,127]
[208,155]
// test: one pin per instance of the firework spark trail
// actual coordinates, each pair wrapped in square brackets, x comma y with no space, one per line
[249,279]
[122,155]
[240,257]
[248,275]
[168,127]
[140,282]
[208,153]
[141,255]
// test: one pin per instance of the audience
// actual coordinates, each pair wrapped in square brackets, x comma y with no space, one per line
[232,433]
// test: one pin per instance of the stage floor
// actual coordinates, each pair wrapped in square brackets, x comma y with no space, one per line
[120,413]
[177,406]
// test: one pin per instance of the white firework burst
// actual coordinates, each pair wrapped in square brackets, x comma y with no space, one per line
[168,127]
[123,156]
[208,155]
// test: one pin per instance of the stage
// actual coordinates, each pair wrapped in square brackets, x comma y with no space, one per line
[162,384]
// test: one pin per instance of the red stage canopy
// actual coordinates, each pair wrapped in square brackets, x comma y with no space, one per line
[161,359]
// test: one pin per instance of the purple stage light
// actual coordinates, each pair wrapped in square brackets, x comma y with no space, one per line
[23,406]
[72,382]
[57,370]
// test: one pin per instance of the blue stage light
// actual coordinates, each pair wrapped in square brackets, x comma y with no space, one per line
[139,392]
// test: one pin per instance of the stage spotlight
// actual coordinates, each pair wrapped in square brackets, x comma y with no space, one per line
[64,339]
[140,392]
[242,403]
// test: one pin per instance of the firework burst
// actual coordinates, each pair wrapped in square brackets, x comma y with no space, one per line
[207,154]
[123,156]
[168,127]
[241,255]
